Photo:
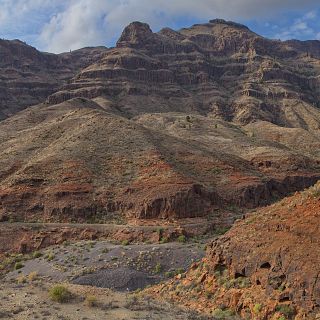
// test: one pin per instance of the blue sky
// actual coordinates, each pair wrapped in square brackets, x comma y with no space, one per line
[61,25]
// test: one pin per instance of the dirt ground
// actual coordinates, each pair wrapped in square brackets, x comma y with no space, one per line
[113,274]
[29,301]
[107,265]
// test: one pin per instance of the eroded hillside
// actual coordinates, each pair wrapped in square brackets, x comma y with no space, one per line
[76,162]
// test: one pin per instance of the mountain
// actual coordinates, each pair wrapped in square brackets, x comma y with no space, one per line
[219,69]
[159,126]
[75,161]
[28,76]
[211,125]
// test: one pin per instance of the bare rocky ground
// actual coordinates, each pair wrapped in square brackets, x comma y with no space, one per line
[114,266]
[111,273]
[31,301]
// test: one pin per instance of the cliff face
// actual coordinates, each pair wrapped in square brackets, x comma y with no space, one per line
[29,76]
[220,68]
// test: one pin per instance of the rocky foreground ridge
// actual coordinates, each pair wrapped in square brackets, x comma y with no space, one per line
[265,267]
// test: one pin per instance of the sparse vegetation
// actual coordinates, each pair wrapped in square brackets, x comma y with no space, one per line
[221,230]
[18,265]
[49,256]
[21,279]
[32,276]
[91,301]
[315,191]
[36,254]
[182,239]
[227,282]
[164,240]
[172,273]
[125,242]
[158,268]
[59,293]
[223,314]
[216,170]
[286,310]
[257,308]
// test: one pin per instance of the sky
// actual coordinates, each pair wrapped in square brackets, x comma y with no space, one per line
[63,25]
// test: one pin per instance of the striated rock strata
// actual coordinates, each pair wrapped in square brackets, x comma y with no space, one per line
[28,76]
[219,68]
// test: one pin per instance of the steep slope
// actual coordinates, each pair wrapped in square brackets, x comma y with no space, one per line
[75,161]
[219,68]
[28,76]
[265,267]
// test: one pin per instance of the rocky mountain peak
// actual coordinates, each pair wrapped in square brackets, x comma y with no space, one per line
[228,23]
[135,35]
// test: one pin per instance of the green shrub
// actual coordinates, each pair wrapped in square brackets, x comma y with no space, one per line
[105,250]
[160,231]
[179,271]
[50,256]
[125,242]
[257,308]
[91,301]
[18,265]
[164,240]
[158,268]
[169,274]
[224,280]
[315,191]
[182,239]
[36,254]
[60,294]
[286,310]
[223,314]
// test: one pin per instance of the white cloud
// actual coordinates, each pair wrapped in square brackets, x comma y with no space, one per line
[76,23]
[23,17]
[299,28]
[310,15]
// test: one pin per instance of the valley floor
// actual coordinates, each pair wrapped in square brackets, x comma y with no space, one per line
[104,279]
